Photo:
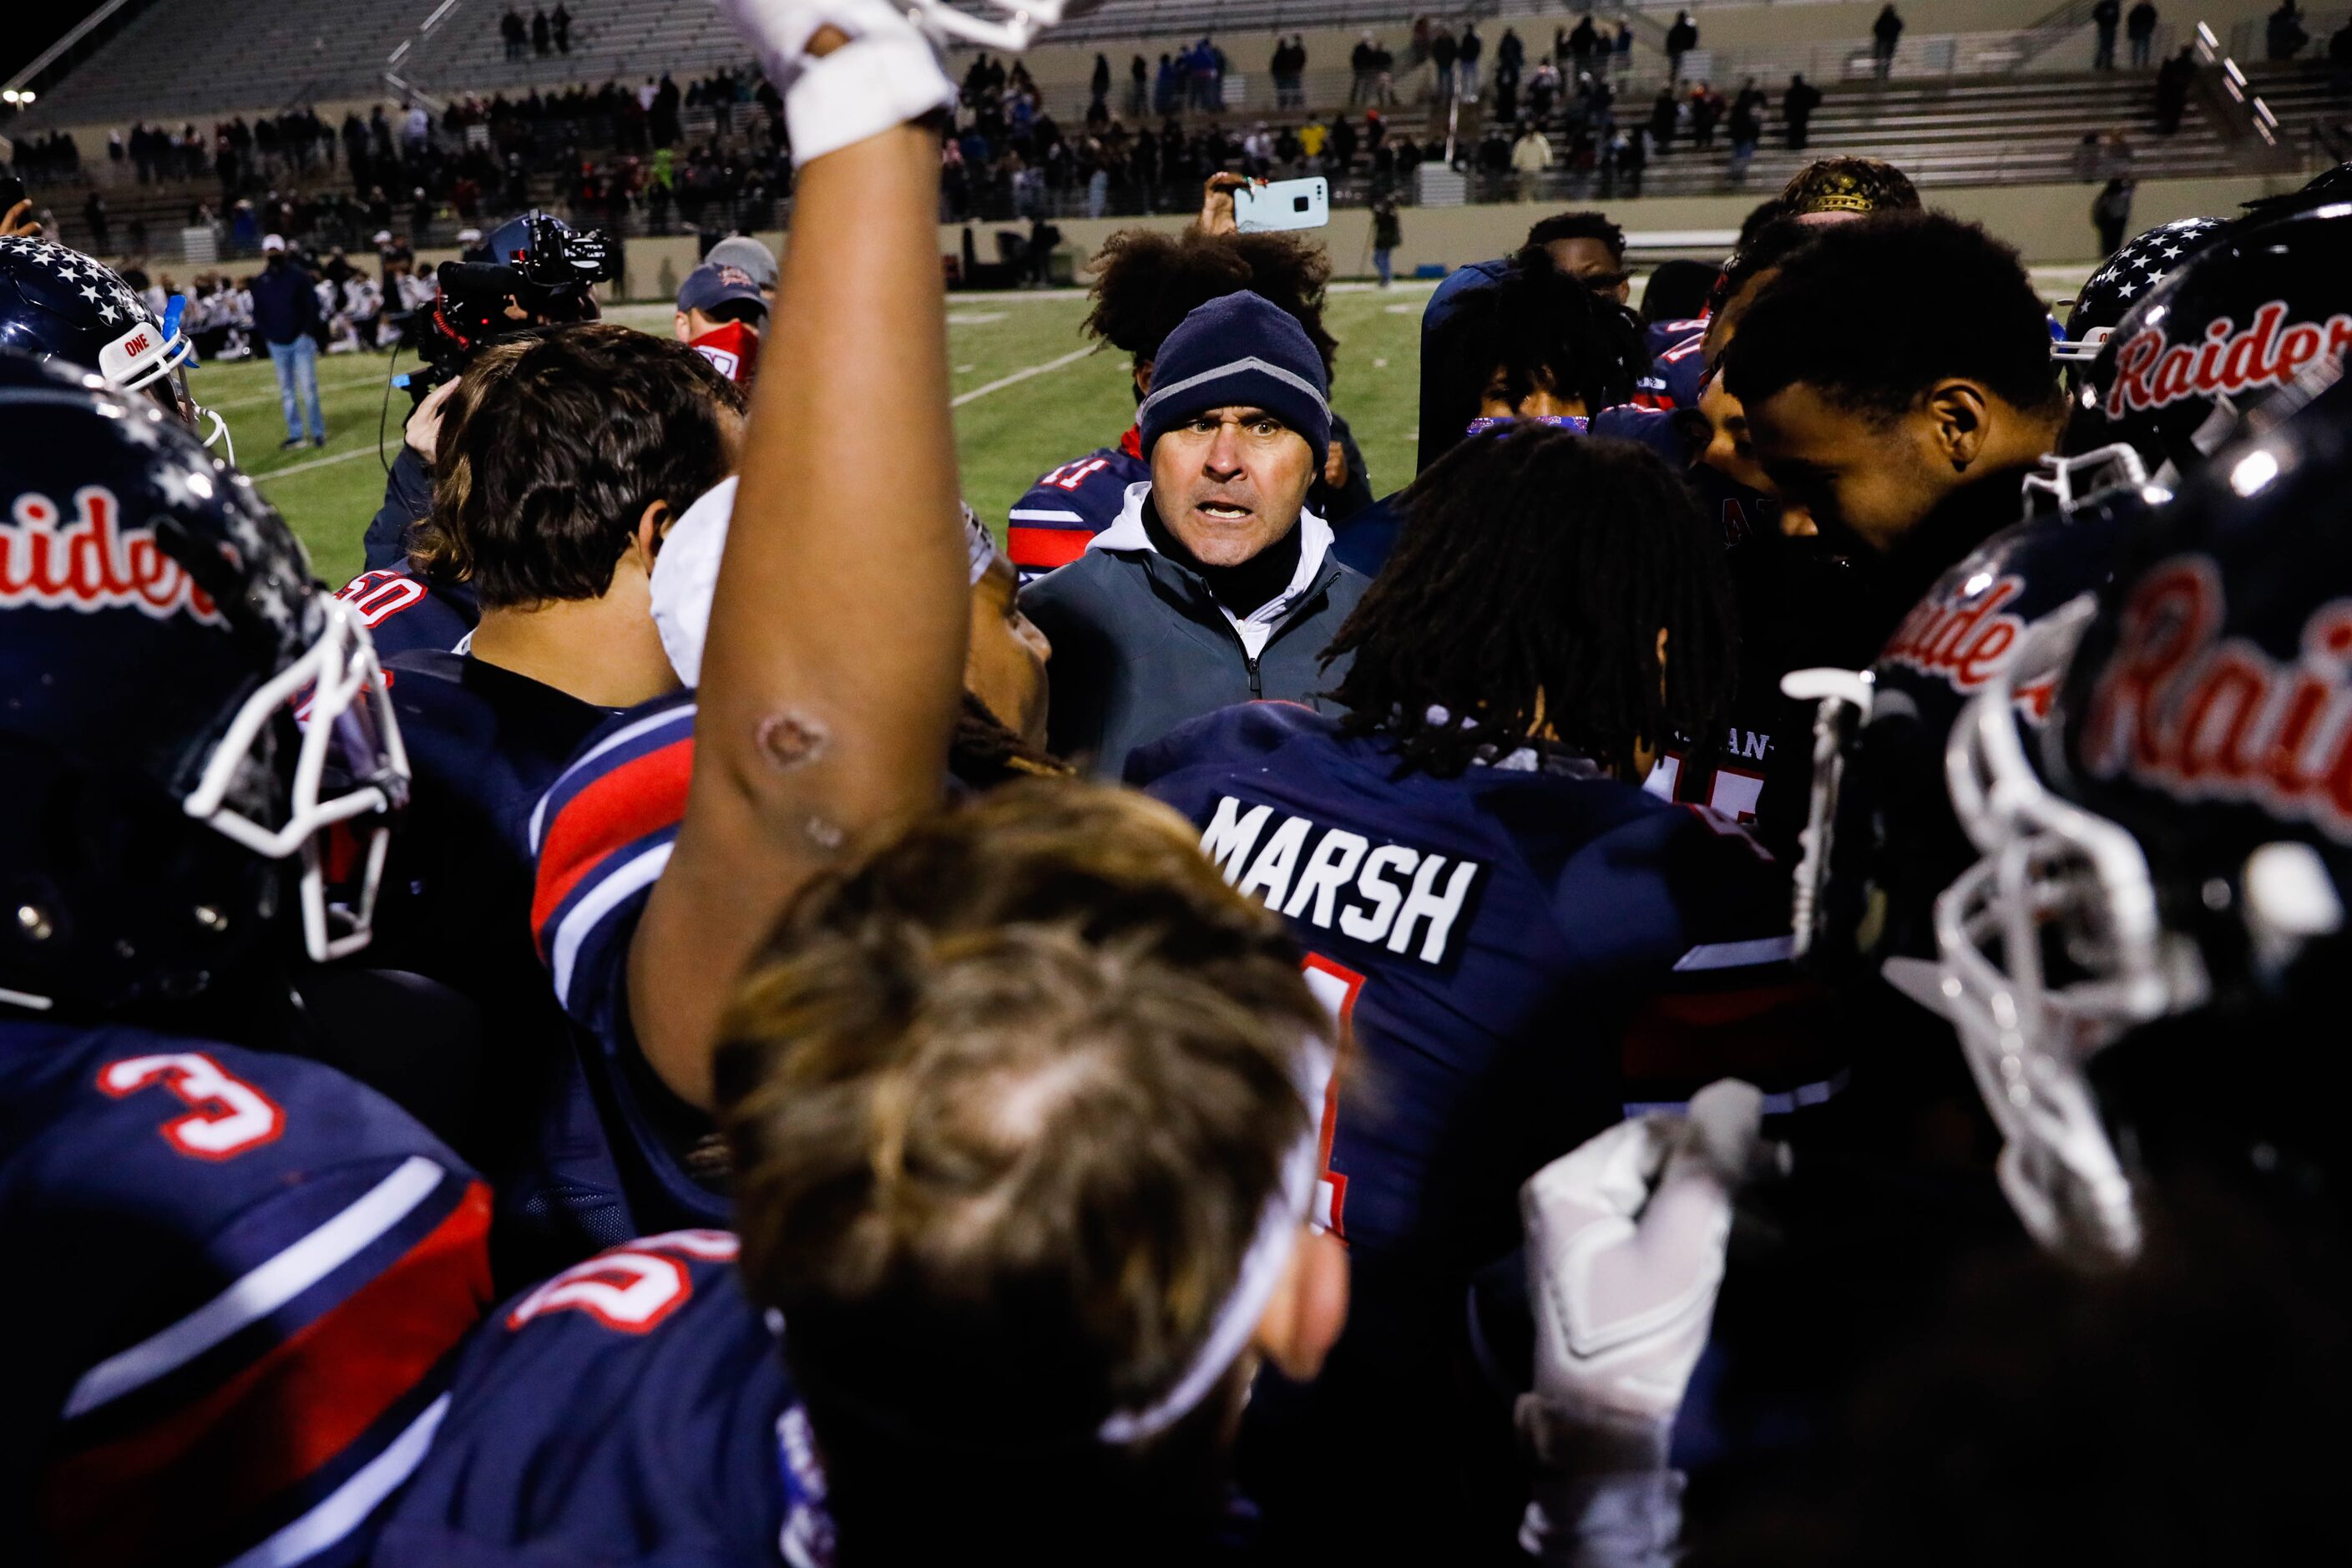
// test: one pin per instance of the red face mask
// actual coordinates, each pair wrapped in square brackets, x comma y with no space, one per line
[733,347]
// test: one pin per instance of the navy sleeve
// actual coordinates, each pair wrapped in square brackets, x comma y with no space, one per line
[408,496]
[1693,911]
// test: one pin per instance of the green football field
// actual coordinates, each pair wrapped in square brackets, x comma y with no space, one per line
[1028,396]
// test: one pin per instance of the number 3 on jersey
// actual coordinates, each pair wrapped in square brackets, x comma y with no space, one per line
[1336,987]
[228,1115]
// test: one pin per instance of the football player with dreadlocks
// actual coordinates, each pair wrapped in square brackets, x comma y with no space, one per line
[1522,940]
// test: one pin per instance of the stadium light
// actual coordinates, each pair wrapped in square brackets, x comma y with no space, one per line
[10,95]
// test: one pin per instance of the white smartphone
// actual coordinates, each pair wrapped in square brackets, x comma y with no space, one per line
[1284,204]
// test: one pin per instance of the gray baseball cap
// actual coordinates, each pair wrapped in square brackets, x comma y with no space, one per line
[747,256]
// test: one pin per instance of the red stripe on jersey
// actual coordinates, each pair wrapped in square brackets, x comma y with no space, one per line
[641,795]
[282,1418]
[1776,1036]
[1043,549]
[1132,443]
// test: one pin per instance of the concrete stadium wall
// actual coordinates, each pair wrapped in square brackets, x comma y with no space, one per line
[2049,224]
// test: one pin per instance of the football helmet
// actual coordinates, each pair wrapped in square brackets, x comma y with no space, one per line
[195,740]
[1880,841]
[2179,834]
[56,303]
[2231,327]
[2110,292]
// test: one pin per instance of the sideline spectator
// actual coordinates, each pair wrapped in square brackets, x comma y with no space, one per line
[1215,586]
[540,37]
[561,23]
[1746,128]
[1530,157]
[1681,39]
[1388,232]
[2140,27]
[2111,215]
[1442,52]
[286,314]
[1884,34]
[1797,106]
[510,29]
[2104,16]
[2173,78]
[2283,34]
[1467,60]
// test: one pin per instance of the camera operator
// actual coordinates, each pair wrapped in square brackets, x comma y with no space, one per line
[531,271]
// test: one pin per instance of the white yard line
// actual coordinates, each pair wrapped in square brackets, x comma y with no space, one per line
[961,398]
[261,400]
[314,463]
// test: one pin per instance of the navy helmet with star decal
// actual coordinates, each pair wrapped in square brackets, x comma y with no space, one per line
[2111,291]
[195,741]
[2259,309]
[57,303]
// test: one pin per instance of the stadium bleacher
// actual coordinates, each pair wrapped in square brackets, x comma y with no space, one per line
[1979,108]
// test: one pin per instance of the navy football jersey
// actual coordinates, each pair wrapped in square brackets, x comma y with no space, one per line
[1675,375]
[242,1282]
[485,743]
[634,1409]
[1520,951]
[1050,525]
[404,611]
[1657,337]
[600,838]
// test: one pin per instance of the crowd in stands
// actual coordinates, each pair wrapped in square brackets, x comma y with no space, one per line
[1554,121]
[1744,966]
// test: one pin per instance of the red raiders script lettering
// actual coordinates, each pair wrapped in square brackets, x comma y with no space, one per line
[1961,637]
[2268,353]
[92,563]
[2204,718]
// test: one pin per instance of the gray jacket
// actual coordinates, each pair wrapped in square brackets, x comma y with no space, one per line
[1140,645]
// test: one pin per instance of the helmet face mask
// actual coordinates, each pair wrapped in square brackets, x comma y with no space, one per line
[2049,949]
[345,722]
[2171,850]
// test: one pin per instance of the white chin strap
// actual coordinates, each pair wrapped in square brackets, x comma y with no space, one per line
[217,435]
[346,684]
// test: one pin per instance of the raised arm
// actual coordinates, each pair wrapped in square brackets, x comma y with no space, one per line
[830,680]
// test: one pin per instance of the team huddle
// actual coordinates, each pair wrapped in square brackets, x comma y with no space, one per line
[1739,971]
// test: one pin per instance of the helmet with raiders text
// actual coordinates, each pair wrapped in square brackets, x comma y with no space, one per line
[194,739]
[2171,851]
[2231,326]
[57,303]
[1880,841]
[2108,295]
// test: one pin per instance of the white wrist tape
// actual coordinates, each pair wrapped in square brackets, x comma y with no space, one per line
[865,87]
